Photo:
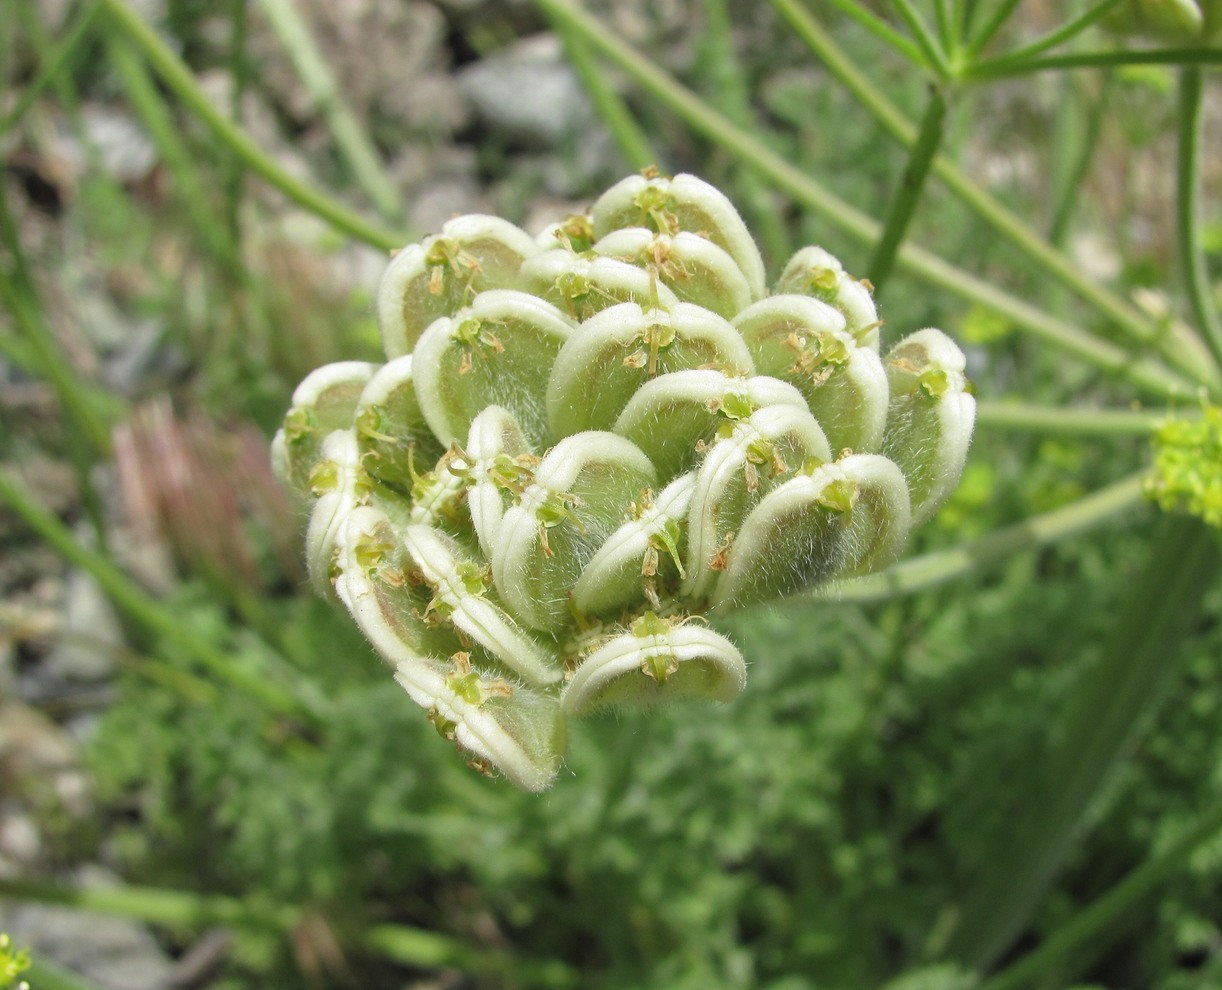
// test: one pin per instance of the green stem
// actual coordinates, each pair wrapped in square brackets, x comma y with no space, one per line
[935,57]
[173,908]
[945,21]
[1001,68]
[192,191]
[1090,931]
[940,566]
[1060,420]
[325,93]
[911,189]
[153,617]
[1025,238]
[853,222]
[990,28]
[179,79]
[1058,36]
[629,136]
[53,64]
[965,11]
[1188,192]
[883,31]
[1072,178]
[1111,704]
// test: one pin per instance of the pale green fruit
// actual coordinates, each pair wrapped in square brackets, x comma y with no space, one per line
[584,444]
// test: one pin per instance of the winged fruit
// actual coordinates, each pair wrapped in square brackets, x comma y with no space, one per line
[585,445]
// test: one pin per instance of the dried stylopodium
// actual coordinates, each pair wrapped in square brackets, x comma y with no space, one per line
[583,445]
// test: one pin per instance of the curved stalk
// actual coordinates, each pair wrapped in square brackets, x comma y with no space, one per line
[1188,191]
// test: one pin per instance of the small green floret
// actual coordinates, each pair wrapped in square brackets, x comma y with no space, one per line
[1187,474]
[12,962]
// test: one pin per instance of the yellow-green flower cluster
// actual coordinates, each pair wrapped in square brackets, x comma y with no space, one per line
[12,963]
[583,445]
[1187,474]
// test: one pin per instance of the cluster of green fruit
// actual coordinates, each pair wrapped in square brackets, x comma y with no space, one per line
[583,444]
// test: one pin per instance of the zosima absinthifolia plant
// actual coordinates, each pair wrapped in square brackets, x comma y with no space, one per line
[584,445]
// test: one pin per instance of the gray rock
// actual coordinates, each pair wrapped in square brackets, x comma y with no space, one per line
[88,635]
[113,952]
[526,92]
[124,149]
[20,843]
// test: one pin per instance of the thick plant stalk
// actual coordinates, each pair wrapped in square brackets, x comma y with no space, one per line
[911,188]
[1110,706]
[1054,420]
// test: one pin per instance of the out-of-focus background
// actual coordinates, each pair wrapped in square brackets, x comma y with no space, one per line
[161,299]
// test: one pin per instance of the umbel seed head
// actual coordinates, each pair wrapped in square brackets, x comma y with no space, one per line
[584,445]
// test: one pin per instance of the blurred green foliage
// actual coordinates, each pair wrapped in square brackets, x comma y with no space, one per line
[821,831]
